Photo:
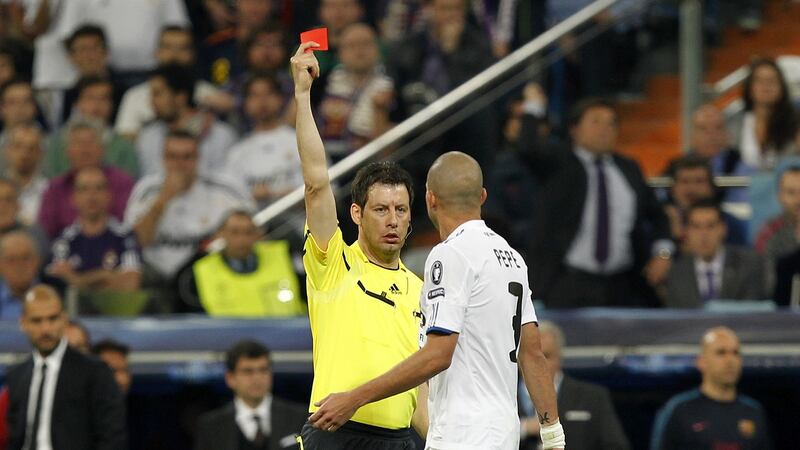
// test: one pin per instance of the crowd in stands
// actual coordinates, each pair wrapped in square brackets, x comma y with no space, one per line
[136,135]
[132,137]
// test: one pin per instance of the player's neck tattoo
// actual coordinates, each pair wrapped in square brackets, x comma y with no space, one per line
[544,418]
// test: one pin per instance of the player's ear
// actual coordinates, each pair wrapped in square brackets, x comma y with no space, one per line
[355,213]
[484,194]
[430,199]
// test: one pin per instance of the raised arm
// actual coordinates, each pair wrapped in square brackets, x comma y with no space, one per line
[320,203]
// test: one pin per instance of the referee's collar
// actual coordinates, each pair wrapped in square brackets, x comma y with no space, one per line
[366,260]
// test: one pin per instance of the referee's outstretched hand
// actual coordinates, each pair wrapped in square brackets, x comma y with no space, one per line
[334,410]
[305,67]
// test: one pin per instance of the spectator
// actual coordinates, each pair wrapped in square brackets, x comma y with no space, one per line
[17,106]
[584,409]
[358,94]
[91,415]
[221,62]
[172,90]
[711,270]
[582,253]
[692,181]
[726,418]
[132,29]
[96,254]
[767,128]
[336,15]
[23,154]
[9,217]
[497,18]
[94,102]
[432,62]
[255,419]
[49,24]
[172,213]
[115,355]
[175,46]
[264,52]
[710,140]
[88,51]
[84,149]
[780,236]
[77,336]
[266,160]
[19,271]
[512,184]
[248,277]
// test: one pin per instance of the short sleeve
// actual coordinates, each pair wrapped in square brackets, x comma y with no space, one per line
[446,290]
[323,268]
[528,311]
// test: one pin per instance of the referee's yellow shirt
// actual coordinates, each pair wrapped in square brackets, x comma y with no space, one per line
[364,320]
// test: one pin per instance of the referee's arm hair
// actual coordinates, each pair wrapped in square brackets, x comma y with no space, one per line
[336,409]
[320,203]
[537,375]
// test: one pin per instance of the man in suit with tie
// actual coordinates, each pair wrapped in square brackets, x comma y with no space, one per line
[597,228]
[585,410]
[61,399]
[710,269]
[255,419]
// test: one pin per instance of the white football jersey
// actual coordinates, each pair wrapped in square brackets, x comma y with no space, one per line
[476,285]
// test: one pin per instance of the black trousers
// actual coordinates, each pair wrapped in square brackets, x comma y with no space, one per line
[356,436]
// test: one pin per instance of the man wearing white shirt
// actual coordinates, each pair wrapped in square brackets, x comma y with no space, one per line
[23,154]
[172,92]
[712,270]
[255,419]
[175,46]
[59,398]
[171,213]
[267,159]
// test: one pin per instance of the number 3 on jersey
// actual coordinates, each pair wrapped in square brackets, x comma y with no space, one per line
[515,289]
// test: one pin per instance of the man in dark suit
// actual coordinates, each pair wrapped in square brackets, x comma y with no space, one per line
[711,270]
[585,409]
[255,419]
[61,399]
[598,227]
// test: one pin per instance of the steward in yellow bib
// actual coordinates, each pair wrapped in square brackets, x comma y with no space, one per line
[248,278]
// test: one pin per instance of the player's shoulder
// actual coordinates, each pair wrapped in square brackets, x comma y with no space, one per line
[680,401]
[750,403]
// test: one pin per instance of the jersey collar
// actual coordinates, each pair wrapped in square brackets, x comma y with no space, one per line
[475,223]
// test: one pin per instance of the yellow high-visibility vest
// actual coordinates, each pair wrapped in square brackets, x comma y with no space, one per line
[271,290]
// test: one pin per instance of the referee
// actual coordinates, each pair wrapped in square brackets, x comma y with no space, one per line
[363,302]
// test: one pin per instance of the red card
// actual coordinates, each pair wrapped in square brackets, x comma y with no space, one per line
[318,35]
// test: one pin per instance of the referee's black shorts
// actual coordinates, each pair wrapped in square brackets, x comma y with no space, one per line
[357,436]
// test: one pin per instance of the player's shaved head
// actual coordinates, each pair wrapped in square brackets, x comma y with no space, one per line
[456,180]
[715,335]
